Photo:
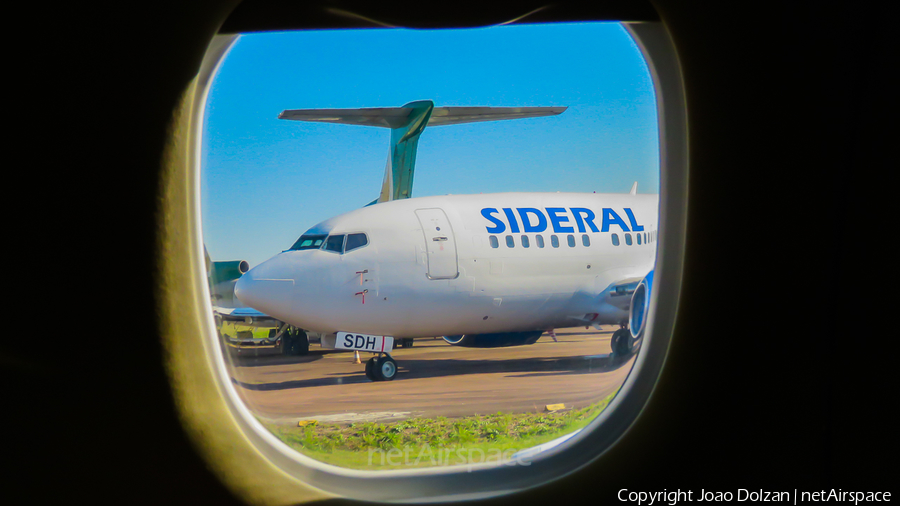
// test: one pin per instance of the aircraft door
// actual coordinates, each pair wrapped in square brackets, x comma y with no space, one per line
[440,244]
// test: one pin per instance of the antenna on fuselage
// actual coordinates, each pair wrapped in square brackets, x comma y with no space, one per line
[407,123]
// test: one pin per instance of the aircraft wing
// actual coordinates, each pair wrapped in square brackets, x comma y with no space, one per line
[238,312]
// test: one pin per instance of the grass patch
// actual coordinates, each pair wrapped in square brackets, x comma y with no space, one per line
[428,442]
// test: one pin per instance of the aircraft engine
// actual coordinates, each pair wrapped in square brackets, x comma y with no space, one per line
[640,305]
[227,271]
[498,340]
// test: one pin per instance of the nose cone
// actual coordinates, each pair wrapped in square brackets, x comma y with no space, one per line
[268,287]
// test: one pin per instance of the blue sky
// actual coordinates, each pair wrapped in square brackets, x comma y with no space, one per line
[265,181]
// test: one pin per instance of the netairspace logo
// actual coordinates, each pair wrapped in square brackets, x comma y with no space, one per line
[744,495]
[426,456]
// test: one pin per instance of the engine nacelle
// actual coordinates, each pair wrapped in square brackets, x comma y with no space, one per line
[495,340]
[640,305]
[227,271]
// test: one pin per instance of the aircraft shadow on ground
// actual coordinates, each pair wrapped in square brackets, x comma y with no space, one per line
[249,360]
[411,369]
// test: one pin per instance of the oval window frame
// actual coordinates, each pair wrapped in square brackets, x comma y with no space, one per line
[229,436]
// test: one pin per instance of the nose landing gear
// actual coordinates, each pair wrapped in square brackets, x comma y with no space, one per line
[381,368]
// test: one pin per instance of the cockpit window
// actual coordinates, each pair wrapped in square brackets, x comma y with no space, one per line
[309,242]
[334,243]
[355,241]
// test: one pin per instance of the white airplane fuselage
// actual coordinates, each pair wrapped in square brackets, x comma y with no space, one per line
[431,266]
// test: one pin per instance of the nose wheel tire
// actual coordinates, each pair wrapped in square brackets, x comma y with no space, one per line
[385,368]
[382,368]
[369,367]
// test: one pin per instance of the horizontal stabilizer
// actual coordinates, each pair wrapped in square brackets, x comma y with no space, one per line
[388,117]
[456,115]
[398,117]
[407,123]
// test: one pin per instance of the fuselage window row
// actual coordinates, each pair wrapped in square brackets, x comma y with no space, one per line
[644,238]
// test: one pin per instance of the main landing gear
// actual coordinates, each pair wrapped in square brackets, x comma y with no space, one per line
[294,341]
[622,343]
[381,368]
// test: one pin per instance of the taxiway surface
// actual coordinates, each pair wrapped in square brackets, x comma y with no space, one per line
[434,379]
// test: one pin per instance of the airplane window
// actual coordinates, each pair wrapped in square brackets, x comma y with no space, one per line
[334,243]
[308,242]
[638,237]
[355,241]
[281,103]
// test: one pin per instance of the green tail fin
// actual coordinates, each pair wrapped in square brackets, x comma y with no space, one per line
[398,175]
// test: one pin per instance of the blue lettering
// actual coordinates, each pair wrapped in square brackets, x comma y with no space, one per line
[370,342]
[588,217]
[526,223]
[360,340]
[499,227]
[634,224]
[584,220]
[552,212]
[611,218]
[348,343]
[513,224]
